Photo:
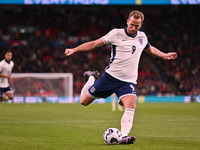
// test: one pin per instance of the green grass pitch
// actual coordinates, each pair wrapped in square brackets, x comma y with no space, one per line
[157,126]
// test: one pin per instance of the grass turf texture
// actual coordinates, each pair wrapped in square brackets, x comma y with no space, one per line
[157,126]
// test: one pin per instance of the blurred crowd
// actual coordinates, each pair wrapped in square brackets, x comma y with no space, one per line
[38,36]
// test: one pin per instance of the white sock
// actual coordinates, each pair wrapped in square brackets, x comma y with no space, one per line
[127,121]
[87,85]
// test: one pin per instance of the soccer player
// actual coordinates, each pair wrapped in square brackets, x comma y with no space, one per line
[121,74]
[6,66]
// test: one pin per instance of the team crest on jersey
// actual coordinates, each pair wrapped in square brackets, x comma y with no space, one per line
[141,41]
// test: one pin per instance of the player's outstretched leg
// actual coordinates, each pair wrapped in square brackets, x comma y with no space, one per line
[92,76]
[84,98]
[128,140]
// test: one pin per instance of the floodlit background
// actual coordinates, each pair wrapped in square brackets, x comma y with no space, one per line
[39,34]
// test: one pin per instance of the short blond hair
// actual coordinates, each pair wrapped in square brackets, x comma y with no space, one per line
[136,14]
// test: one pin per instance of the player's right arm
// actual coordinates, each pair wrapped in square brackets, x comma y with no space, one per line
[2,75]
[85,47]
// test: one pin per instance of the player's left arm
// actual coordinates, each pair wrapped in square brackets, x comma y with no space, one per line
[156,52]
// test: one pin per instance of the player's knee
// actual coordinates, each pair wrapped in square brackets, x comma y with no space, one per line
[1,99]
[86,100]
[84,103]
[133,105]
[10,96]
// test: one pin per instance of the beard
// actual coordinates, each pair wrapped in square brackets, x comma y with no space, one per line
[132,32]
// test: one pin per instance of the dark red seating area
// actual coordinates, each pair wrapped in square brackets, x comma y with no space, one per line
[38,36]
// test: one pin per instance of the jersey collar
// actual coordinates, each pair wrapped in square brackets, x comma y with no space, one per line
[125,30]
[7,61]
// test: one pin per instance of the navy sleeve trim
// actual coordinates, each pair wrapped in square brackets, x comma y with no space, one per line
[147,46]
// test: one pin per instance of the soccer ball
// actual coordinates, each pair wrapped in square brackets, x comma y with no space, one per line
[112,136]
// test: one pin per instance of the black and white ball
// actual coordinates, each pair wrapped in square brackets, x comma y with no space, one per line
[112,136]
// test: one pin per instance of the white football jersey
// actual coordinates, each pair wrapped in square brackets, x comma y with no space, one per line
[5,69]
[125,53]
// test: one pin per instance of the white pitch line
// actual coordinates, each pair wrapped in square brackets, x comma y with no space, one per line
[170,120]
[50,122]
[182,120]
[95,121]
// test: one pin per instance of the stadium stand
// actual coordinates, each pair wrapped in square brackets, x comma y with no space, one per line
[38,36]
